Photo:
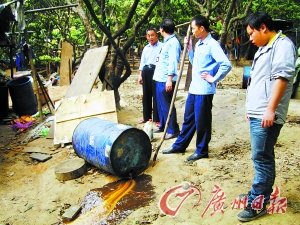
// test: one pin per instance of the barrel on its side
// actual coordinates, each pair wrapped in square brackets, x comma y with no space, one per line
[22,96]
[115,148]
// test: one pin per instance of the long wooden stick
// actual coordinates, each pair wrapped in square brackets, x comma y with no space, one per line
[34,76]
[174,96]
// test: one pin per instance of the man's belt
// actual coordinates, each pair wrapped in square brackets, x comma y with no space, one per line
[151,66]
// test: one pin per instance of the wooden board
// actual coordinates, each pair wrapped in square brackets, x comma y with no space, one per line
[87,72]
[65,69]
[72,111]
[86,105]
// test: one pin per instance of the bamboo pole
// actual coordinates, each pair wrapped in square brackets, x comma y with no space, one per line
[182,24]
[50,8]
[34,76]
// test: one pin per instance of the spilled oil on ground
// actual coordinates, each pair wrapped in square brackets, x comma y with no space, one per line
[115,201]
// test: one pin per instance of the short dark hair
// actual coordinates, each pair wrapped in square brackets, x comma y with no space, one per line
[201,21]
[256,19]
[168,26]
[151,28]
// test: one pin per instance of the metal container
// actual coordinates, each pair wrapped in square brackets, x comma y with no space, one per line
[115,148]
[3,100]
[22,96]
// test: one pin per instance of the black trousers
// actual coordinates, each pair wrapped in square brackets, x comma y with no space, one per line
[149,95]
[296,85]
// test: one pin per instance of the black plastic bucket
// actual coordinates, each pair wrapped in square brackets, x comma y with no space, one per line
[22,96]
[115,148]
[3,100]
[246,76]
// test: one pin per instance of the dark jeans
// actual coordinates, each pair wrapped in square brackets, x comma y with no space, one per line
[263,141]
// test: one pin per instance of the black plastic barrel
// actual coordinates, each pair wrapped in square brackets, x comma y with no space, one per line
[3,100]
[246,76]
[121,150]
[22,96]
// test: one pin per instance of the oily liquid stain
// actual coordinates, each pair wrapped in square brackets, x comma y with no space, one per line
[115,201]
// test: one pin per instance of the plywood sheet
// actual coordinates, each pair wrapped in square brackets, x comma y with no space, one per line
[72,111]
[65,69]
[87,72]
[86,105]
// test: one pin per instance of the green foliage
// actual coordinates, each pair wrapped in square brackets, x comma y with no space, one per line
[77,35]
[279,9]
[44,59]
[218,27]
[47,29]
[51,27]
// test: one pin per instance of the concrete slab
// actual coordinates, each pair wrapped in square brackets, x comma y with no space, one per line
[40,156]
[71,213]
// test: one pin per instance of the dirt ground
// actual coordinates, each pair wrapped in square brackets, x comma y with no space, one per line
[30,193]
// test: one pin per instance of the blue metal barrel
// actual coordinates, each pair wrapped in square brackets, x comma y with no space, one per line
[115,148]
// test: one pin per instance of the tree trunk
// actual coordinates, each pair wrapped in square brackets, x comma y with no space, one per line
[86,22]
[119,68]
[224,32]
[231,19]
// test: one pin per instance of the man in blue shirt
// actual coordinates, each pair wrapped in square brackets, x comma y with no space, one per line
[147,67]
[165,76]
[210,65]
[297,76]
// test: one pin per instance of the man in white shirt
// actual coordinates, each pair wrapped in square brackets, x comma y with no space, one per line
[147,67]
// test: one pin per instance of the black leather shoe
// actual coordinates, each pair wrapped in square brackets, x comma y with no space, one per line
[172,151]
[195,157]
[170,136]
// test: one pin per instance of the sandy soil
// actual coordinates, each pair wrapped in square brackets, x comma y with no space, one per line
[30,193]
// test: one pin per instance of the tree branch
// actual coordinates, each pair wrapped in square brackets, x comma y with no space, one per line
[128,20]
[101,4]
[130,41]
[109,36]
[241,16]
[139,24]
[87,25]
[226,22]
[201,6]
[213,8]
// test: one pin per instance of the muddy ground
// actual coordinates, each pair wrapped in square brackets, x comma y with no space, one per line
[30,193]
